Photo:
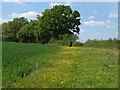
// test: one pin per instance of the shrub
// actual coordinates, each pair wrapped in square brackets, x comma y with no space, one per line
[77,43]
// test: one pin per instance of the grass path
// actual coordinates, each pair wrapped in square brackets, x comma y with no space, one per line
[75,67]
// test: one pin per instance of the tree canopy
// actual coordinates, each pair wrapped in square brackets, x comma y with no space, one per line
[57,23]
[10,29]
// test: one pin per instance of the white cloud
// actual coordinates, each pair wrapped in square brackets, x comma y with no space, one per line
[108,21]
[19,1]
[94,23]
[112,26]
[95,12]
[64,0]
[4,20]
[98,23]
[91,17]
[29,15]
[9,0]
[68,4]
[116,33]
[82,30]
[15,1]
[1,20]
[78,18]
[113,15]
[108,26]
[55,3]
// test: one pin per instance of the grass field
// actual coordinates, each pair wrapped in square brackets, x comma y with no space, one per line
[48,66]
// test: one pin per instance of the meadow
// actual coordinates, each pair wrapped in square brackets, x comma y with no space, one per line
[51,66]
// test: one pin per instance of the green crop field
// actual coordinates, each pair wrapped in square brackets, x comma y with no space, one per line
[51,66]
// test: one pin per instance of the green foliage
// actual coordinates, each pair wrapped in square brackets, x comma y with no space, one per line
[53,23]
[0,32]
[77,43]
[29,32]
[58,21]
[10,29]
[64,40]
[6,35]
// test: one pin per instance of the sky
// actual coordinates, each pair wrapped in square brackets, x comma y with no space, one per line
[99,20]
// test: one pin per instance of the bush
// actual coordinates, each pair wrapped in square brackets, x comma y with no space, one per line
[77,44]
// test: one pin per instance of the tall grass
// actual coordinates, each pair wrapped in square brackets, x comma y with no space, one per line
[20,59]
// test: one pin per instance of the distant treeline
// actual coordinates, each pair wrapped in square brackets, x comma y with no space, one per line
[110,43]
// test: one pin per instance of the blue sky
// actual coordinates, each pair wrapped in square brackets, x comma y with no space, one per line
[99,19]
